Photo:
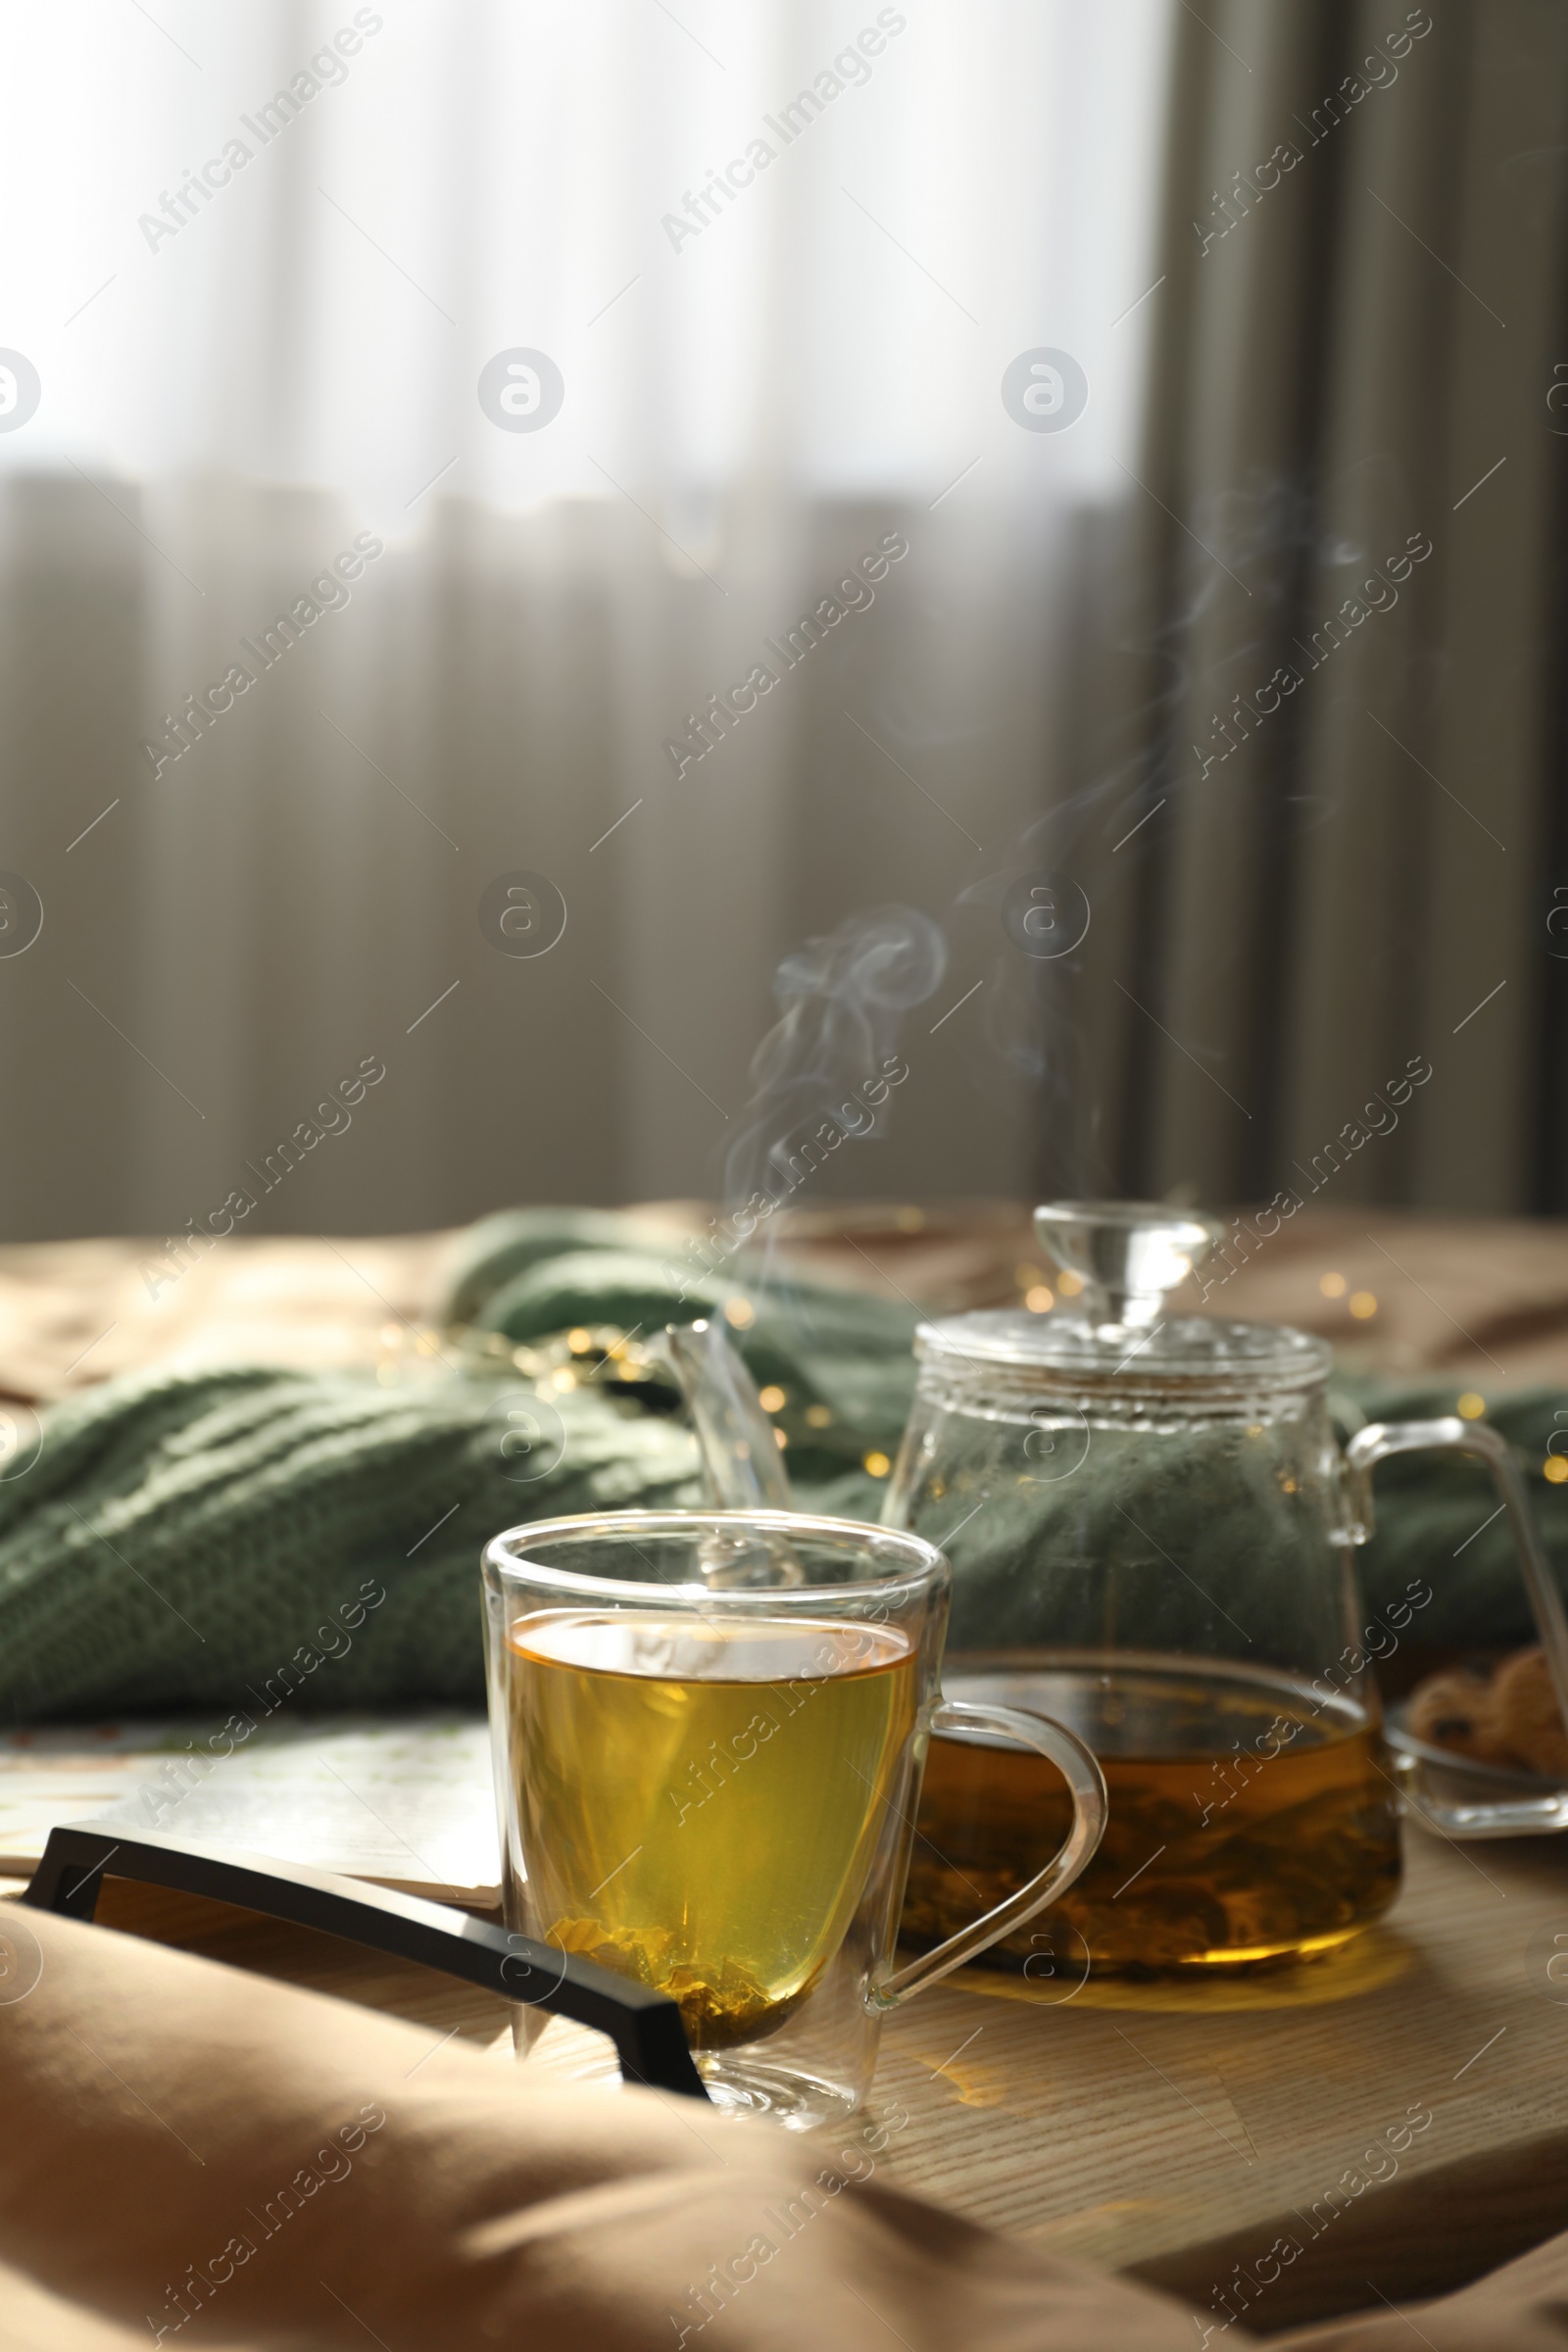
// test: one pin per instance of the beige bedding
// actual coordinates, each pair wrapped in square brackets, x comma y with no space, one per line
[1483,1300]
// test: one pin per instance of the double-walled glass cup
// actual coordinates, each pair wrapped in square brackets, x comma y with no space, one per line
[709,1731]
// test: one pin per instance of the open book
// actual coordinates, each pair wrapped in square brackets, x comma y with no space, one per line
[405,1800]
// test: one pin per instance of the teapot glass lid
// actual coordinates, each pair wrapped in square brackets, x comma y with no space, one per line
[1124,1256]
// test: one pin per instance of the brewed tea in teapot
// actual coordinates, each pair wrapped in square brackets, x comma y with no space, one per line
[1147,1523]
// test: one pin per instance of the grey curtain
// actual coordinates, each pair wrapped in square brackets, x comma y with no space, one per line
[1350,763]
[225,941]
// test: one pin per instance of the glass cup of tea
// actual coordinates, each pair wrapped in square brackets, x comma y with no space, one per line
[708,1730]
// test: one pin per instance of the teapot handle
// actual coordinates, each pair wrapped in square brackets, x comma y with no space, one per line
[1091,1805]
[1453,1436]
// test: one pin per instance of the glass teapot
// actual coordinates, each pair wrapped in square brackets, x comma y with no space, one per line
[1152,1529]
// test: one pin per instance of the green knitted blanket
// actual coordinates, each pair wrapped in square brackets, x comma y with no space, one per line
[193,1540]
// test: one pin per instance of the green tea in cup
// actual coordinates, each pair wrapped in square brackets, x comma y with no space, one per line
[702,1799]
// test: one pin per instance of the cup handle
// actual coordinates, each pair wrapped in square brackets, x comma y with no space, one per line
[1085,1785]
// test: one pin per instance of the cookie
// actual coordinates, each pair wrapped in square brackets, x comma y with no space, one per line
[1508,1716]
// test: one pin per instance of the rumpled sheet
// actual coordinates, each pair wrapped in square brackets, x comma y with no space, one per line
[192,2155]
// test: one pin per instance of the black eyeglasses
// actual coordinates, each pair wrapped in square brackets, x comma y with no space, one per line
[645,2026]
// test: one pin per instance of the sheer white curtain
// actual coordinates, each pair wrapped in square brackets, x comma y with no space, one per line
[780,260]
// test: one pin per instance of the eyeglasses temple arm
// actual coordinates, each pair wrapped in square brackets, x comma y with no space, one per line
[645,2026]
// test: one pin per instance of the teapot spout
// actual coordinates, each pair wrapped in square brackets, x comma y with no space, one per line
[743,1466]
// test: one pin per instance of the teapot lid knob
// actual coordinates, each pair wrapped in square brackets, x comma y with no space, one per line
[1127,1254]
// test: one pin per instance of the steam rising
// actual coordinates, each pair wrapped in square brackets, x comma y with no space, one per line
[824,1070]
